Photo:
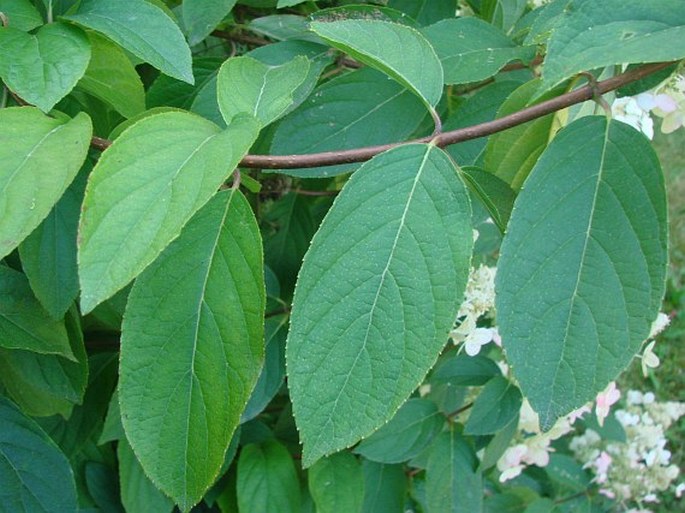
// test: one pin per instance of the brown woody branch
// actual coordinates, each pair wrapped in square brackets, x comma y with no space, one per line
[332,158]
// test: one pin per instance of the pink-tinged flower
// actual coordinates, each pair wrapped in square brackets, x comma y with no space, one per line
[576,414]
[605,400]
[602,464]
[510,464]
[649,359]
[607,493]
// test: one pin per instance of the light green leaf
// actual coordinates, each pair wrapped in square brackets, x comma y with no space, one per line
[498,403]
[246,85]
[138,493]
[357,109]
[337,484]
[511,154]
[283,27]
[47,384]
[503,13]
[591,34]
[453,485]
[31,142]
[48,254]
[112,78]
[289,3]
[204,297]
[21,14]
[471,49]
[408,433]
[143,29]
[582,268]
[385,487]
[34,475]
[368,279]
[267,481]
[43,68]
[200,17]
[24,324]
[399,51]
[143,190]
[426,12]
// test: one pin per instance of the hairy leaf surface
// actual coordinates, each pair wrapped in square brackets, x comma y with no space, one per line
[143,190]
[376,295]
[582,268]
[192,348]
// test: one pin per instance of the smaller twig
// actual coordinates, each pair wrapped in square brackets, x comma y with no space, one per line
[236,180]
[596,93]
[456,412]
[239,37]
[305,192]
[279,311]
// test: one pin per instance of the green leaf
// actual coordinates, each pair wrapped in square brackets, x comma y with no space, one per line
[48,255]
[283,27]
[499,443]
[143,29]
[511,154]
[143,190]
[289,227]
[24,324]
[498,403]
[112,78]
[112,430]
[357,109]
[21,14]
[246,85]
[464,370]
[471,49]
[453,485]
[43,68]
[138,493]
[34,475]
[495,194]
[399,51]
[337,484]
[273,372]
[267,481]
[582,268]
[426,12]
[206,103]
[201,305]
[408,433]
[368,278]
[200,17]
[30,143]
[47,384]
[103,486]
[590,34]
[385,487]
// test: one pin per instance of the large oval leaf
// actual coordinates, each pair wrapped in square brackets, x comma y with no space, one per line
[30,143]
[397,50]
[44,67]
[143,190]
[582,268]
[143,29]
[34,474]
[377,295]
[192,348]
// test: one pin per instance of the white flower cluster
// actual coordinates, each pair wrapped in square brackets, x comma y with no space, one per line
[666,101]
[534,4]
[532,445]
[479,300]
[634,471]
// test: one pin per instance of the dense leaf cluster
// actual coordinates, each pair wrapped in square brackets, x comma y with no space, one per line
[156,296]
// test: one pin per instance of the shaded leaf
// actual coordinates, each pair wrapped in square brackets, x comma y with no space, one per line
[425,12]
[498,403]
[200,17]
[27,486]
[336,484]
[385,487]
[465,370]
[138,493]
